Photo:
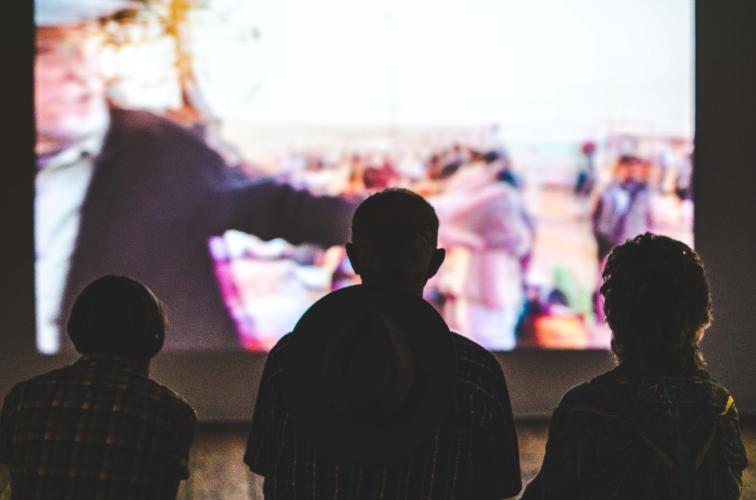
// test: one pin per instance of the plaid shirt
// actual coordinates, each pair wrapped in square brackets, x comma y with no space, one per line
[95,429]
[624,436]
[474,455]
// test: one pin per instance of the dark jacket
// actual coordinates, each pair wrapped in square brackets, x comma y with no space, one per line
[158,193]
[628,436]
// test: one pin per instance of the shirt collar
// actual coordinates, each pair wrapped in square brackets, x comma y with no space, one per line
[87,147]
[111,358]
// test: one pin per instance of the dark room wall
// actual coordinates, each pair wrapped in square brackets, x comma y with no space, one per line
[725,187]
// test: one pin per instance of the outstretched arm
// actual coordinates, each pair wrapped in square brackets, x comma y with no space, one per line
[269,209]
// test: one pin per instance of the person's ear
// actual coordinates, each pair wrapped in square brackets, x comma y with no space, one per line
[437,259]
[354,257]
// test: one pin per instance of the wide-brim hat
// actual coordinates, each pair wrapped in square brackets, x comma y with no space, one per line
[366,408]
[71,12]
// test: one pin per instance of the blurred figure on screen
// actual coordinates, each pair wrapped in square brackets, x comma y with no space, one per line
[623,209]
[485,214]
[586,169]
[129,192]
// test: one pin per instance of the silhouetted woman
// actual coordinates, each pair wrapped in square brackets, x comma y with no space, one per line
[657,426]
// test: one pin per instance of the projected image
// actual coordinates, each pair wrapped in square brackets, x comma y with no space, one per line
[216,149]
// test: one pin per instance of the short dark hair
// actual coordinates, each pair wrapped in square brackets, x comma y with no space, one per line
[657,303]
[396,231]
[119,316]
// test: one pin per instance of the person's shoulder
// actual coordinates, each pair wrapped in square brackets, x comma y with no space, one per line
[136,386]
[712,391]
[158,142]
[43,379]
[476,367]
[171,403]
[578,395]
[146,122]
[469,349]
[704,378]
[614,388]
[281,346]
[274,361]
[38,388]
[155,129]
[594,391]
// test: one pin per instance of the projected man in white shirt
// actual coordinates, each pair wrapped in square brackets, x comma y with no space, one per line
[127,192]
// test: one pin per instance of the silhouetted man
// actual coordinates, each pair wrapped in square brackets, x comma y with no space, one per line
[371,395]
[100,428]
[658,426]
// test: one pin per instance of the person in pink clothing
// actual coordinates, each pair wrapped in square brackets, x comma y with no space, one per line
[488,218]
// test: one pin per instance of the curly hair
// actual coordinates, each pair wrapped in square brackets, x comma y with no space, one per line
[657,303]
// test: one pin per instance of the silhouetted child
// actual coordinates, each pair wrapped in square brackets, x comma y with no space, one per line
[101,428]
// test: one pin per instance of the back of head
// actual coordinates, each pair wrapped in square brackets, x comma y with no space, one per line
[657,303]
[119,316]
[395,233]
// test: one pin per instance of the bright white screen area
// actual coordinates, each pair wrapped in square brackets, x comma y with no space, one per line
[545,68]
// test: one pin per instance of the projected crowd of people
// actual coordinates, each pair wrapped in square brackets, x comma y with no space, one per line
[507,282]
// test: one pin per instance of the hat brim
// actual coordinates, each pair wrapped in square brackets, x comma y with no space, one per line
[321,423]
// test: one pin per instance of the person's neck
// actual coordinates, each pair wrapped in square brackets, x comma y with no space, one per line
[50,144]
[141,366]
[646,369]
[394,285]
